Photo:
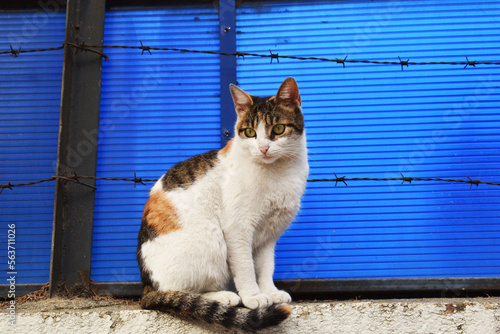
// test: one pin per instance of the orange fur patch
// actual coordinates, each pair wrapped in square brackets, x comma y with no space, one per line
[160,214]
[272,98]
[286,308]
[225,150]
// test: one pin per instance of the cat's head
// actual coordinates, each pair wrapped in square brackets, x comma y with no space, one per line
[272,127]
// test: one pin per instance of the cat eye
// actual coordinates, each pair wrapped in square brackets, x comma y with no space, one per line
[279,129]
[250,133]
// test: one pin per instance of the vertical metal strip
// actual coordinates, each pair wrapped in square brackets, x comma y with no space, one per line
[227,33]
[77,151]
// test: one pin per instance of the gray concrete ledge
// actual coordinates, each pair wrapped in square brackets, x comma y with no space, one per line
[426,316]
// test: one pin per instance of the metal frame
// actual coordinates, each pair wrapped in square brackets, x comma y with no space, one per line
[227,36]
[349,288]
[77,151]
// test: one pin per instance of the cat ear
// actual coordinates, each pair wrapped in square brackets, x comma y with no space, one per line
[242,100]
[288,93]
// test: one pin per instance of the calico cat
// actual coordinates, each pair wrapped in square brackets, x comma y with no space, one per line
[212,221]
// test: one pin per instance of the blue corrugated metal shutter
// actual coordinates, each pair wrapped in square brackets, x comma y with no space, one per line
[377,121]
[156,110]
[30,90]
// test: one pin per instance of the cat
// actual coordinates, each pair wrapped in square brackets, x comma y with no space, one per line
[212,221]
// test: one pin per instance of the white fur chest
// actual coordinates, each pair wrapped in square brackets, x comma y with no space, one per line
[266,196]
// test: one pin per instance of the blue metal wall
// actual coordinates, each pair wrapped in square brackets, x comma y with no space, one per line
[377,121]
[156,110]
[362,121]
[30,88]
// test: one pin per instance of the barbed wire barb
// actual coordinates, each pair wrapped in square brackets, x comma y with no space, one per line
[341,61]
[274,56]
[408,179]
[403,62]
[145,48]
[15,52]
[8,186]
[138,180]
[476,182]
[339,179]
[471,63]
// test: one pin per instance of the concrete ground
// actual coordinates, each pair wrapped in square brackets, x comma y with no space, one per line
[426,316]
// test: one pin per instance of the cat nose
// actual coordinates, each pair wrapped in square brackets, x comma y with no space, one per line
[264,149]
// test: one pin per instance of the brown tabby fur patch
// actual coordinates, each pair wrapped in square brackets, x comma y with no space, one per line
[271,113]
[186,172]
[160,214]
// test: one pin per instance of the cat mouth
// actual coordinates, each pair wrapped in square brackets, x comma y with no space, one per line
[267,158]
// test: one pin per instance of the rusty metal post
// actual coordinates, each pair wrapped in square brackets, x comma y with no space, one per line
[77,151]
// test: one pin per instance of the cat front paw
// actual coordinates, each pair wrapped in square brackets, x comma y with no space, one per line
[260,300]
[280,297]
[226,298]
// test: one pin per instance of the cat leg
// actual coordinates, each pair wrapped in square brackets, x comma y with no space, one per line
[264,266]
[228,298]
[242,267]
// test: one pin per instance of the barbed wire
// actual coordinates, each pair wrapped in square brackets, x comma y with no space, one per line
[404,179]
[271,55]
[83,47]
[16,52]
[138,180]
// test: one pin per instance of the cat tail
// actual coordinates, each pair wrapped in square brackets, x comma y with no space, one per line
[213,312]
